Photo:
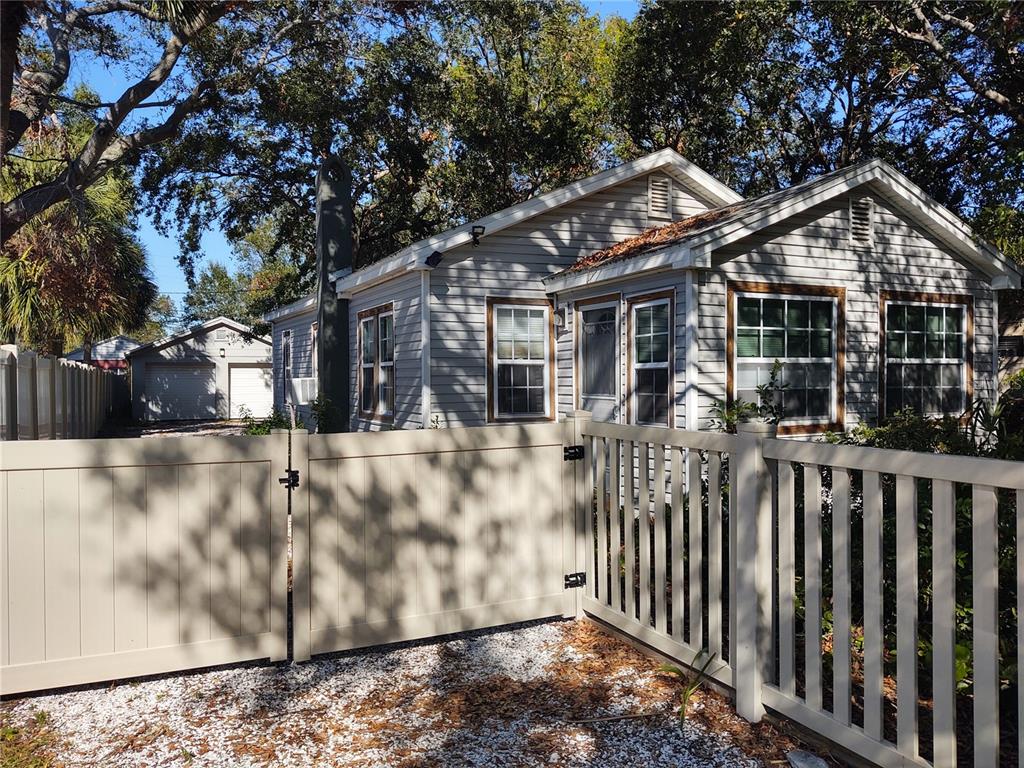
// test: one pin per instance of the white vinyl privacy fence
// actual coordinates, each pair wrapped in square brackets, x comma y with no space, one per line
[870,596]
[49,398]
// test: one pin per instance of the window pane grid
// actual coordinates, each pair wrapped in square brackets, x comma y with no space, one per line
[521,337]
[799,332]
[651,339]
[925,358]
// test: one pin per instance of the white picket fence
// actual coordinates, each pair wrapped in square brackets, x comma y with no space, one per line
[50,398]
[783,541]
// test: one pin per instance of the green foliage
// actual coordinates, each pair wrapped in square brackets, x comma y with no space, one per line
[26,745]
[329,418]
[692,681]
[768,408]
[276,420]
[215,292]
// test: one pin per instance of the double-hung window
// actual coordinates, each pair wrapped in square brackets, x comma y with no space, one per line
[377,362]
[651,356]
[520,352]
[801,333]
[927,347]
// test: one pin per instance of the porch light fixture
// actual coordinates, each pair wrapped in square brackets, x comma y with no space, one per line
[560,318]
[477,231]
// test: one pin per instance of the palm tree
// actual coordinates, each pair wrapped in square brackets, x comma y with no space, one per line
[78,272]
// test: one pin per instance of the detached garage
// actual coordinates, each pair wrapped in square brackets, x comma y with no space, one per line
[217,370]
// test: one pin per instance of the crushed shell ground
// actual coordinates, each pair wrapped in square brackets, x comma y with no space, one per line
[525,696]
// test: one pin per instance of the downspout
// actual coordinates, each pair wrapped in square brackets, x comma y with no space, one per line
[333,253]
[692,351]
[426,392]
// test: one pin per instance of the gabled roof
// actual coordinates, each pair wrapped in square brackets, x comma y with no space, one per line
[689,243]
[297,307]
[415,256]
[209,325]
[114,348]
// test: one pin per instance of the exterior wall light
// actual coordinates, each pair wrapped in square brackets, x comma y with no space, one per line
[477,231]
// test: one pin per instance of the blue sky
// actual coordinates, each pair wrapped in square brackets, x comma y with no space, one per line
[162,251]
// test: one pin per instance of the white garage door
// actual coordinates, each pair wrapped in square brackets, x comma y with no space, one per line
[181,391]
[251,389]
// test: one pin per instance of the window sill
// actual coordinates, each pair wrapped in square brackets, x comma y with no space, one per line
[520,419]
[812,428]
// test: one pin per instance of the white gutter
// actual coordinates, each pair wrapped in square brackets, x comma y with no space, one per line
[425,392]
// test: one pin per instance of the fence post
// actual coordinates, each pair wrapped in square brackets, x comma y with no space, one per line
[574,494]
[300,514]
[10,354]
[53,398]
[33,397]
[753,593]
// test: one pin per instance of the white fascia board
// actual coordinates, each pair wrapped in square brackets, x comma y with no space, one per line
[298,307]
[908,196]
[676,256]
[209,325]
[418,253]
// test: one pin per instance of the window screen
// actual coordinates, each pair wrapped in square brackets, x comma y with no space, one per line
[598,343]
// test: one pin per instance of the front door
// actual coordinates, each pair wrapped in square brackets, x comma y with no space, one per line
[599,368]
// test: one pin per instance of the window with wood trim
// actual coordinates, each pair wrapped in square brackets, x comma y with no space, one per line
[377,362]
[520,359]
[926,356]
[651,361]
[803,328]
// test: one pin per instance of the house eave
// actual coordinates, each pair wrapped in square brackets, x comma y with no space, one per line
[298,307]
[209,325]
[670,258]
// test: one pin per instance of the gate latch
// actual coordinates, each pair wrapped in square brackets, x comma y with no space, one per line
[572,453]
[290,480]
[575,580]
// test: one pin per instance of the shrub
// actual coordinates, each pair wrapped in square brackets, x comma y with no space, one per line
[276,420]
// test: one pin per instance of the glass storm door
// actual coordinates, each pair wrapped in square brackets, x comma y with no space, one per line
[599,369]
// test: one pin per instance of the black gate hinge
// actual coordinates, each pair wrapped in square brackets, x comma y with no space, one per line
[575,580]
[290,480]
[572,453]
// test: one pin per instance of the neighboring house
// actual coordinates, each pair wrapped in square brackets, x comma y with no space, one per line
[109,354]
[649,292]
[216,370]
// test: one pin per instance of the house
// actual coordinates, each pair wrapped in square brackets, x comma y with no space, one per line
[651,291]
[216,370]
[108,354]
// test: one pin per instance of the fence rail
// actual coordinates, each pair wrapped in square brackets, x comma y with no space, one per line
[841,587]
[50,398]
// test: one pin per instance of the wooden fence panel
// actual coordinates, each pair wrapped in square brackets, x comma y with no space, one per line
[128,557]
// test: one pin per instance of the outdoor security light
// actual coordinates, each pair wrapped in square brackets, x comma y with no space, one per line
[477,230]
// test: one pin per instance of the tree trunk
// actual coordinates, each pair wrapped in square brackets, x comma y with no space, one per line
[87,351]
[12,18]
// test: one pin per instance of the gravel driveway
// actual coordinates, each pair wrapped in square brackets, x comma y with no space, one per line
[525,696]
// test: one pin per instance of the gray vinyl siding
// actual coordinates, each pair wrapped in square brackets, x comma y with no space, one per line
[674,281]
[301,327]
[403,292]
[512,263]
[814,248]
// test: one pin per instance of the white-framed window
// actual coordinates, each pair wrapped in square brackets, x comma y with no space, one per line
[520,360]
[926,351]
[651,361]
[377,362]
[286,362]
[801,333]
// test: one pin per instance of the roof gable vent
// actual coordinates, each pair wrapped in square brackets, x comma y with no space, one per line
[659,196]
[862,220]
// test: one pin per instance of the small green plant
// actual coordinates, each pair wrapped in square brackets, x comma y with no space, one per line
[691,682]
[769,406]
[26,746]
[276,420]
[328,416]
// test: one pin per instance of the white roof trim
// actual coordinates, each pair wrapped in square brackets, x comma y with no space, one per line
[209,325]
[415,255]
[297,307]
[695,251]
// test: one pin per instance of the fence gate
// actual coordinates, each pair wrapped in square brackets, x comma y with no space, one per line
[129,557]
[411,534]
